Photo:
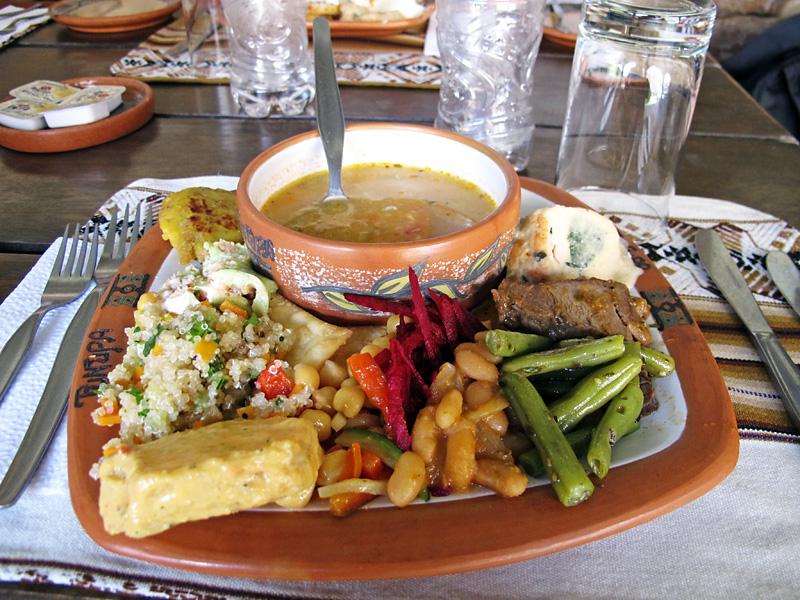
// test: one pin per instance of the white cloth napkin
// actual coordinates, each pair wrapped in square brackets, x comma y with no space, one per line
[22,27]
[21,399]
[740,540]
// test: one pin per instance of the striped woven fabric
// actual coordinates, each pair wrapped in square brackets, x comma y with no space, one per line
[749,234]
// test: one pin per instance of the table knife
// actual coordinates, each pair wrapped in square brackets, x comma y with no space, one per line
[720,266]
[52,404]
[786,276]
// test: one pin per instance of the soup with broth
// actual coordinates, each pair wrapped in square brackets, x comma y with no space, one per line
[385,203]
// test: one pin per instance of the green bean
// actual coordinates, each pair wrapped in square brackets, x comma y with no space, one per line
[531,460]
[570,373]
[501,342]
[619,416]
[566,474]
[579,439]
[589,353]
[552,389]
[573,341]
[596,389]
[657,363]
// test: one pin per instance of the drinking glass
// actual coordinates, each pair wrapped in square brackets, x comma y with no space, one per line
[635,76]
[205,34]
[488,49]
[270,64]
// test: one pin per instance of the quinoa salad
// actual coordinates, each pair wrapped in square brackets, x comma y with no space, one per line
[195,353]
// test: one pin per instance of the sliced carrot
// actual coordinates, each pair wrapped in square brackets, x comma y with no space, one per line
[230,306]
[371,465]
[352,463]
[246,412]
[108,420]
[343,504]
[114,449]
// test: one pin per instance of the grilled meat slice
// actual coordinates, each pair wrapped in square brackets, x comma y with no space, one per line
[572,308]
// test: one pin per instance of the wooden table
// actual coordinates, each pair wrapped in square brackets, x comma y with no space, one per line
[735,150]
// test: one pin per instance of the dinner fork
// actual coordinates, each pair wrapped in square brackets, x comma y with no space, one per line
[68,280]
[54,398]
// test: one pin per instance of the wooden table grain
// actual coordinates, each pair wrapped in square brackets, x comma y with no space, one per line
[735,150]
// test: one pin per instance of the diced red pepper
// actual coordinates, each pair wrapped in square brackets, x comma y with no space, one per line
[371,379]
[274,381]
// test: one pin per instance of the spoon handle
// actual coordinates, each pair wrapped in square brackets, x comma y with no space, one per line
[330,116]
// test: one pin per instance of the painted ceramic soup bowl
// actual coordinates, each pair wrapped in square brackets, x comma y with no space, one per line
[320,274]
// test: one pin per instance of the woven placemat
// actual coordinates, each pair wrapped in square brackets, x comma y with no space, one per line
[153,60]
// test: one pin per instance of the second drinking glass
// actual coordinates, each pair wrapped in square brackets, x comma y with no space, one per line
[488,49]
[635,77]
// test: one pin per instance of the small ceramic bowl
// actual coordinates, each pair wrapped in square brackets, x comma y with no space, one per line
[316,273]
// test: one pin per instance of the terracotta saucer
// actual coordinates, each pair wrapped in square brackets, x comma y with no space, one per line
[62,12]
[136,110]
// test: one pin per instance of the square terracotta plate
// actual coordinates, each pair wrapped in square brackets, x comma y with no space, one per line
[698,449]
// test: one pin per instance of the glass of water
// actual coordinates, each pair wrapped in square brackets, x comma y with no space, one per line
[270,67]
[635,77]
[488,49]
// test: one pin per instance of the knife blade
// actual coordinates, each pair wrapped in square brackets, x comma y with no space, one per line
[782,370]
[786,276]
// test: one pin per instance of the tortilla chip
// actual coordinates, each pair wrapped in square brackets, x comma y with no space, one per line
[191,217]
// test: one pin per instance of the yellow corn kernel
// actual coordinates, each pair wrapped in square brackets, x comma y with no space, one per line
[349,400]
[323,397]
[321,421]
[332,374]
[382,341]
[157,350]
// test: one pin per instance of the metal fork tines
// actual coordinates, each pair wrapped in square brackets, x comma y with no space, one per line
[56,392]
[68,280]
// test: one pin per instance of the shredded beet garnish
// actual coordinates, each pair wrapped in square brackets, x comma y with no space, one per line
[449,319]
[416,353]
[398,354]
[423,319]
[376,303]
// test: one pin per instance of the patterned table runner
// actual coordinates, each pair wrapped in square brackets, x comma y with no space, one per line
[152,60]
[749,234]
